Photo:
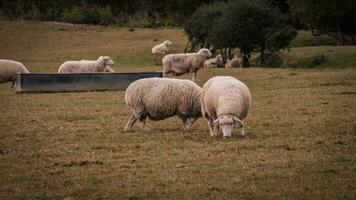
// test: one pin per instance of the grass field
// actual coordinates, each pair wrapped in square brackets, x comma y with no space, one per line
[300,141]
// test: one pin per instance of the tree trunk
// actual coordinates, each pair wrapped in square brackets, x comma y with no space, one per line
[246,59]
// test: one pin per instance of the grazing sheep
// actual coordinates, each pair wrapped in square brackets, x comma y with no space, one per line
[84,66]
[162,48]
[179,64]
[234,63]
[225,101]
[9,69]
[214,62]
[161,98]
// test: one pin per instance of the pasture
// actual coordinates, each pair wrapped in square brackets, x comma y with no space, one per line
[300,141]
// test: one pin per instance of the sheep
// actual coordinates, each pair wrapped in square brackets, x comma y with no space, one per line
[107,69]
[225,101]
[102,64]
[161,98]
[214,62]
[179,64]
[162,48]
[9,69]
[234,63]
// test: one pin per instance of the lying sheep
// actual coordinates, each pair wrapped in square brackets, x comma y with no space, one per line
[214,62]
[179,64]
[9,69]
[225,101]
[84,66]
[161,98]
[234,63]
[162,48]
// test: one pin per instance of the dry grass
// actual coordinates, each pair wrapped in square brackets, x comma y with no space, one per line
[300,140]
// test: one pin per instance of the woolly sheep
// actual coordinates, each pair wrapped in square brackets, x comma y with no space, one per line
[214,62]
[102,64]
[162,48]
[179,64]
[225,101]
[234,63]
[161,98]
[9,69]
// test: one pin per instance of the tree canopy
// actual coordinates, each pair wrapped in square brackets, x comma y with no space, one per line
[245,24]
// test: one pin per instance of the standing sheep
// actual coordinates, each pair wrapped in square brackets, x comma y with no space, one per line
[234,63]
[162,48]
[84,66]
[9,69]
[179,64]
[225,101]
[214,62]
[161,98]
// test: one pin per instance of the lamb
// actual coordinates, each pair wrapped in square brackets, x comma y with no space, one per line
[85,66]
[214,62]
[162,48]
[161,98]
[225,101]
[179,64]
[9,69]
[234,63]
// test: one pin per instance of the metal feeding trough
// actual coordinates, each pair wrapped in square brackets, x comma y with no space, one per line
[78,82]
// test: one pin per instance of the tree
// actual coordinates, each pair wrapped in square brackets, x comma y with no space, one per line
[245,24]
[334,18]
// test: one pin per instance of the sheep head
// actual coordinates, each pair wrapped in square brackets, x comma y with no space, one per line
[227,124]
[168,43]
[205,52]
[107,60]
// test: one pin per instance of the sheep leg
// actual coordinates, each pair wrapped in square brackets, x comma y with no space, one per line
[131,122]
[165,74]
[212,127]
[13,84]
[184,122]
[194,76]
[188,123]
[143,123]
[242,131]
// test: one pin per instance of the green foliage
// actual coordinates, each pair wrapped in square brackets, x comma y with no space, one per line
[314,61]
[89,15]
[245,24]
[334,18]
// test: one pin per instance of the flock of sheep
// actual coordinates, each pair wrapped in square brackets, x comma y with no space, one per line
[223,100]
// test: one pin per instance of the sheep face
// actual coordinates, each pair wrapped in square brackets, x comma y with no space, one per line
[206,53]
[168,43]
[108,61]
[226,124]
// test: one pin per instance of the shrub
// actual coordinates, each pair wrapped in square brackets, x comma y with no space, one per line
[89,15]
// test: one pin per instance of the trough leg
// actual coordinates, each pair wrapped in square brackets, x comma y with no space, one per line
[131,122]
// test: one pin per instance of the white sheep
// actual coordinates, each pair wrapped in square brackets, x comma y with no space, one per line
[162,48]
[234,63]
[179,64]
[161,98]
[102,64]
[225,101]
[214,62]
[9,69]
